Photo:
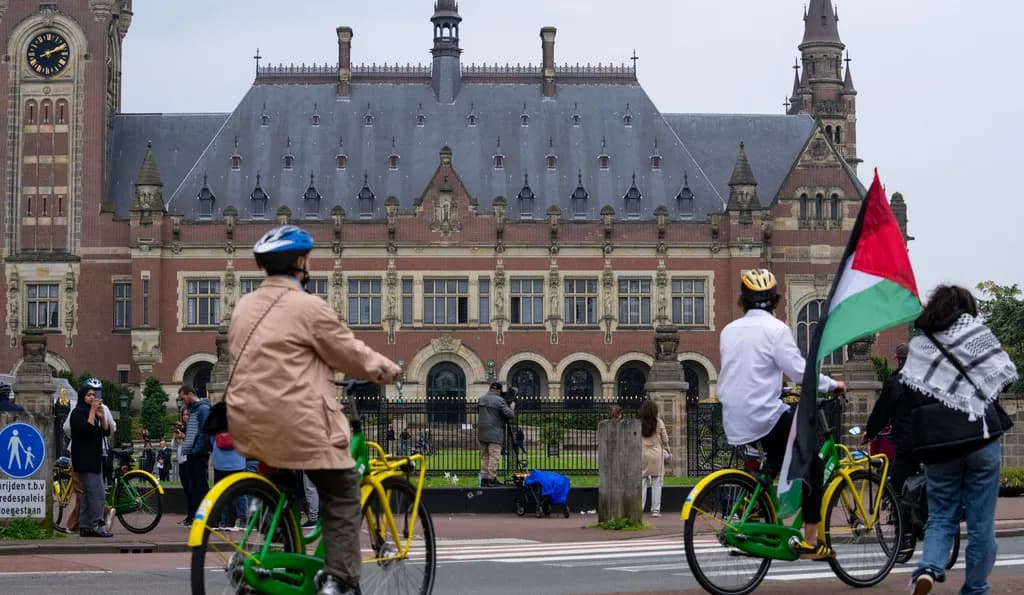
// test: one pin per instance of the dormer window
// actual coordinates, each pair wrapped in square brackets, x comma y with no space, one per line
[259,200]
[632,199]
[289,162]
[316,120]
[206,200]
[525,198]
[684,200]
[311,200]
[471,120]
[368,117]
[365,199]
[576,119]
[552,160]
[421,120]
[393,162]
[341,160]
[627,118]
[236,162]
[655,162]
[499,162]
[602,162]
[524,119]
[579,199]
[264,120]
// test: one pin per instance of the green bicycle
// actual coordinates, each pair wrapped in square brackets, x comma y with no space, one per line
[732,532]
[135,495]
[267,552]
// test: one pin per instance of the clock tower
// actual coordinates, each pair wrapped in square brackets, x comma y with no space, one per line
[60,82]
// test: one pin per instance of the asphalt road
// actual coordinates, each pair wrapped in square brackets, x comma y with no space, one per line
[494,567]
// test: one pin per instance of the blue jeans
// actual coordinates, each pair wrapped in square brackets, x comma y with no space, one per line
[975,479]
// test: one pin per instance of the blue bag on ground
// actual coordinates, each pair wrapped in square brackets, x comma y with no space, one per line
[552,485]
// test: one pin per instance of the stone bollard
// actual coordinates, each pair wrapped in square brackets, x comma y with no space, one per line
[27,438]
[620,462]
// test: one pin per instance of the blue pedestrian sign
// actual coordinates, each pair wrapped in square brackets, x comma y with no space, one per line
[22,450]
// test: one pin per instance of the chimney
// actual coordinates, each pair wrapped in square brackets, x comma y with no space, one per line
[344,61]
[547,44]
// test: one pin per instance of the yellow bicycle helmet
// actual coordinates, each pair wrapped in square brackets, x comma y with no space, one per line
[759,280]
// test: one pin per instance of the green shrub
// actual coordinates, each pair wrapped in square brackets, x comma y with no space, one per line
[621,524]
[551,433]
[154,409]
[1011,477]
[23,528]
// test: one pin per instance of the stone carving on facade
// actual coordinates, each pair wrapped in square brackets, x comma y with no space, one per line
[391,282]
[554,284]
[70,299]
[661,282]
[13,310]
[146,349]
[499,224]
[33,353]
[446,214]
[666,340]
[446,344]
[860,350]
[338,284]
[499,301]
[229,289]
[101,9]
[767,228]
[608,286]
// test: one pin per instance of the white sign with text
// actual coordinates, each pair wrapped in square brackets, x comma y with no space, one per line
[20,498]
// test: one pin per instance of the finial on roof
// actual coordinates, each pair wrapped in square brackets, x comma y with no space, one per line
[604,144]
[204,177]
[149,144]
[257,177]
[310,177]
[848,88]
[634,177]
[499,142]
[289,141]
[236,143]
[392,143]
[741,172]
[149,173]
[526,177]
[341,142]
[366,177]
[579,177]
[551,142]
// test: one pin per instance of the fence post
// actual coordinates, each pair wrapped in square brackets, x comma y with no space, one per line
[619,462]
[665,386]
[862,386]
[27,436]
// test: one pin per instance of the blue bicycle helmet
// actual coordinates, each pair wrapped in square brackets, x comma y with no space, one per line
[88,384]
[287,238]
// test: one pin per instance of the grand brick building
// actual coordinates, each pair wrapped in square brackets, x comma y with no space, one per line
[532,223]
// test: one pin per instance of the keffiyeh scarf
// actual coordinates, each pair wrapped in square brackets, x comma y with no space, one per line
[979,352]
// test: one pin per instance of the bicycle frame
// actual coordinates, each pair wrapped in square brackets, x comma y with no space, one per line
[291,573]
[771,540]
[129,489]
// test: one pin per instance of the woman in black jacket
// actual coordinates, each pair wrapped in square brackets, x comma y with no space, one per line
[88,427]
[954,373]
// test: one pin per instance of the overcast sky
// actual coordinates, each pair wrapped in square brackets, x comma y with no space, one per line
[939,81]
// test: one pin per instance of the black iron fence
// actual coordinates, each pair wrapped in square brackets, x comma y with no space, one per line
[707,447]
[553,434]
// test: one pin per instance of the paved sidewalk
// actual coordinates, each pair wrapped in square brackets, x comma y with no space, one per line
[169,537]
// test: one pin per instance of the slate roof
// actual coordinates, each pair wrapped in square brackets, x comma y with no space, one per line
[772,144]
[178,140]
[498,109]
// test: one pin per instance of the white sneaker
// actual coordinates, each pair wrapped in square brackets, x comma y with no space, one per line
[922,585]
[655,514]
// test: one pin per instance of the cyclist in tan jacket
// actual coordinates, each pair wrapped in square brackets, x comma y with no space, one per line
[287,345]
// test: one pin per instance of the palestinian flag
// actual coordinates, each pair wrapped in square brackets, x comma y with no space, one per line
[873,290]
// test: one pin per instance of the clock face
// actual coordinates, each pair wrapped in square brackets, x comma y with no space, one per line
[48,53]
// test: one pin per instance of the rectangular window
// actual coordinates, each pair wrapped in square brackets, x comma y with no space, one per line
[363,301]
[634,301]
[145,302]
[689,302]
[580,301]
[406,301]
[485,300]
[248,285]
[122,305]
[202,299]
[527,301]
[43,305]
[318,287]
[445,301]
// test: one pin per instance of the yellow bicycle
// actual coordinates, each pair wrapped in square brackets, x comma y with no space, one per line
[263,549]
[732,533]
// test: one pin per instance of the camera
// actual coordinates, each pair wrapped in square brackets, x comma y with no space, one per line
[510,394]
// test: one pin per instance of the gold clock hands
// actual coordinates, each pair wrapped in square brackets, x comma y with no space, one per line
[52,51]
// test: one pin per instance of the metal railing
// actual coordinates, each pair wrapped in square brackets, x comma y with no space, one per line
[558,434]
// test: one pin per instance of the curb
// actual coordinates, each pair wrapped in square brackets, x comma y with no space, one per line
[171,547]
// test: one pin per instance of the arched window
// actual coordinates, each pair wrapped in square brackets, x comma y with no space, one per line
[499,162]
[627,120]
[289,161]
[316,120]
[30,111]
[342,160]
[524,120]
[471,120]
[806,320]
[421,120]
[602,162]
[819,206]
[552,161]
[655,162]
[446,394]
[804,206]
[576,120]
[62,111]
[630,383]
[578,386]
[264,120]
[44,111]
[531,383]
[828,132]
[836,206]
[839,134]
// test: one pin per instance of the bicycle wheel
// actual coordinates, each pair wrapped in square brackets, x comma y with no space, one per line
[718,568]
[138,502]
[217,563]
[863,557]
[382,570]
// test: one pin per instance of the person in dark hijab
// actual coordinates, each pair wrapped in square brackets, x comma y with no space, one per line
[88,428]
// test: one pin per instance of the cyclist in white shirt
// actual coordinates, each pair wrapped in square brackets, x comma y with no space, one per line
[756,351]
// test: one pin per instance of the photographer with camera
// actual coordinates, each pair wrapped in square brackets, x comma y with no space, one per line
[494,414]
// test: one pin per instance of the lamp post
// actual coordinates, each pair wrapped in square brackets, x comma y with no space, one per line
[124,426]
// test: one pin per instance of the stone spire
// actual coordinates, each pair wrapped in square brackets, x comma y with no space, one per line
[848,88]
[446,71]
[742,187]
[821,23]
[149,188]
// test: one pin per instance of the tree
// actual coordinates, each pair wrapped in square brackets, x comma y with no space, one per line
[154,408]
[1004,314]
